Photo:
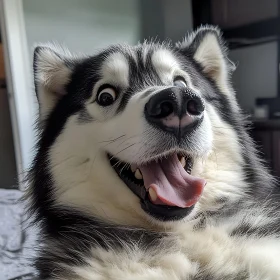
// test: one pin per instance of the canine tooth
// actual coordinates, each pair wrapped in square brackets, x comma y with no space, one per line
[183,161]
[153,194]
[138,174]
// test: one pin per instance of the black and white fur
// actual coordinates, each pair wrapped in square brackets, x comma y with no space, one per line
[92,224]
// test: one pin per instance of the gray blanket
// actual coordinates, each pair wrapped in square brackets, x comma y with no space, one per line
[17,243]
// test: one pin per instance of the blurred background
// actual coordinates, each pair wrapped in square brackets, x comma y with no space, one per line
[251,28]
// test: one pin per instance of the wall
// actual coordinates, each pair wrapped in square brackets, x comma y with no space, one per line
[256,73]
[178,18]
[166,19]
[87,25]
[152,19]
[82,25]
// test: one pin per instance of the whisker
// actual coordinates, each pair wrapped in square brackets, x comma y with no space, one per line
[125,148]
[112,140]
[117,163]
[125,166]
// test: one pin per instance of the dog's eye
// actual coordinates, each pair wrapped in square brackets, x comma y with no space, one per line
[179,82]
[106,97]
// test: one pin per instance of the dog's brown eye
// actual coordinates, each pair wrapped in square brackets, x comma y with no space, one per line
[179,82]
[106,97]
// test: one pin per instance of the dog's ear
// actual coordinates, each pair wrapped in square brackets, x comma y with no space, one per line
[53,67]
[208,49]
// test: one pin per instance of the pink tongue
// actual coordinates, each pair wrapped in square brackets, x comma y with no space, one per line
[172,184]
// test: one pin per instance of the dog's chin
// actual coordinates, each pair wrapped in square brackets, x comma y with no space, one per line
[138,177]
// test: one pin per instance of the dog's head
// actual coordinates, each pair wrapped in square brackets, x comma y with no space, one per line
[138,134]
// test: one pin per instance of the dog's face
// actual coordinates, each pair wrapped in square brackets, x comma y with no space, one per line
[140,134]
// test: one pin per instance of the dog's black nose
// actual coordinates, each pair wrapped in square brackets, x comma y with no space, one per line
[175,110]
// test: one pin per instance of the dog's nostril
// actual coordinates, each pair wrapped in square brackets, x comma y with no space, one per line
[166,109]
[159,109]
[194,107]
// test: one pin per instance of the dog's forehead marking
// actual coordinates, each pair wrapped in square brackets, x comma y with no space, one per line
[115,69]
[164,63]
[168,66]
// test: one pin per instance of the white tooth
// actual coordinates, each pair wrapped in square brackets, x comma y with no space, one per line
[153,194]
[183,161]
[138,174]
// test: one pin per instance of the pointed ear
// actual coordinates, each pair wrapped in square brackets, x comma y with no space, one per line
[208,49]
[52,71]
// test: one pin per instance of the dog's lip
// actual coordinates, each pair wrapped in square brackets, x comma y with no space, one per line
[164,212]
[160,212]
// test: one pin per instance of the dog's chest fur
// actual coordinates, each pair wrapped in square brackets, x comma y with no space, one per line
[199,254]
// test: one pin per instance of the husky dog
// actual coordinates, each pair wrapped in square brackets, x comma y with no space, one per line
[145,169]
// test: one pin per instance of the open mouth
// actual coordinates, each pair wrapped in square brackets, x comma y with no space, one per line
[165,186]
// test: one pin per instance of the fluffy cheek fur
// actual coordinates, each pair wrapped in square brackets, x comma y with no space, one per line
[85,180]
[223,168]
